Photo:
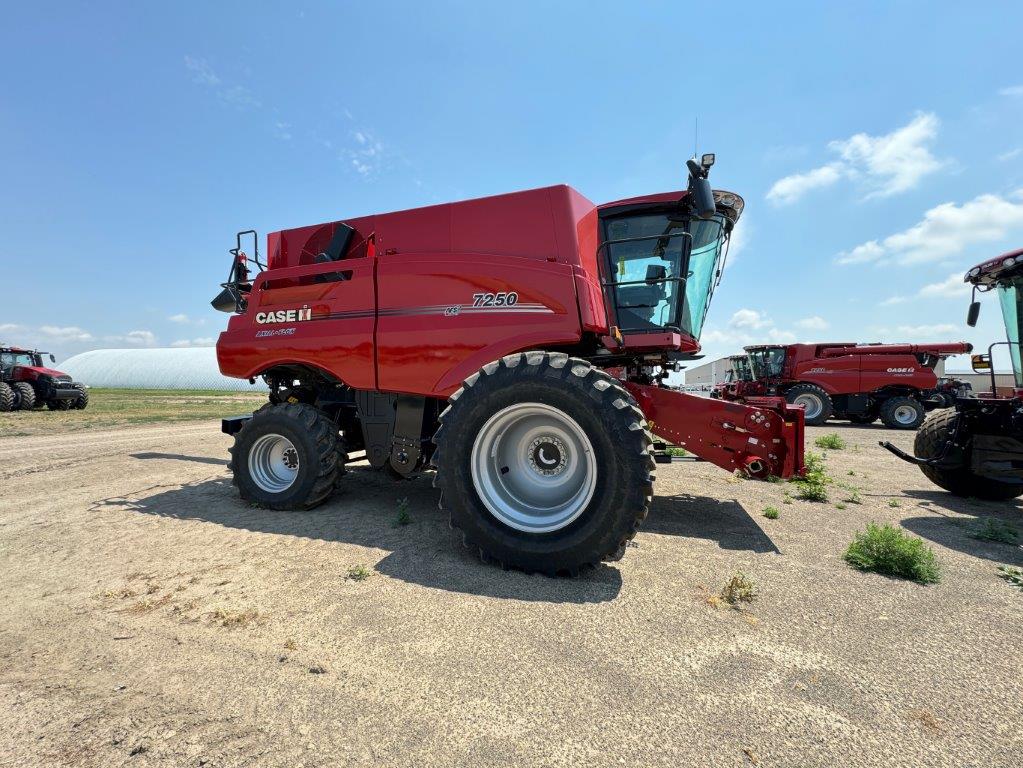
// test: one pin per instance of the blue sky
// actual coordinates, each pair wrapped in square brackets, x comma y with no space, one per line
[879,147]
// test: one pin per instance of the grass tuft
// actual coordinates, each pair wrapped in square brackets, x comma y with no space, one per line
[359,573]
[1012,575]
[738,589]
[404,518]
[771,513]
[889,550]
[833,442]
[993,529]
[894,503]
[674,450]
[813,486]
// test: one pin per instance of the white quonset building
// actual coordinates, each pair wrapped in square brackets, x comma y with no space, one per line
[162,368]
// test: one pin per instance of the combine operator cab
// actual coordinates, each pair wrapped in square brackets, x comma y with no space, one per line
[519,345]
[976,448]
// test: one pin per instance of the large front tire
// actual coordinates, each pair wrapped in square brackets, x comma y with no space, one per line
[287,456]
[544,463]
[931,438]
[24,396]
[81,402]
[816,403]
[6,397]
[902,413]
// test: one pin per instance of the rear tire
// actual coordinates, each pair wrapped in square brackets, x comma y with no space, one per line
[82,401]
[24,395]
[288,456]
[59,405]
[6,397]
[817,405]
[544,463]
[959,481]
[902,413]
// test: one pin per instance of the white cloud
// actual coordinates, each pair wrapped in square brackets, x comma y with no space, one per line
[893,300]
[182,319]
[921,331]
[202,342]
[1012,90]
[282,131]
[748,318]
[815,323]
[70,333]
[791,188]
[1012,154]
[134,339]
[945,230]
[202,73]
[884,165]
[367,155]
[738,241]
[9,328]
[952,287]
[897,161]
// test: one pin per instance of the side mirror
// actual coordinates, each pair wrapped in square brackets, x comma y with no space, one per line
[701,195]
[980,363]
[973,313]
[656,272]
[53,359]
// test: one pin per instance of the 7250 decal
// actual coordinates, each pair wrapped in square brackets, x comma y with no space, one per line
[509,299]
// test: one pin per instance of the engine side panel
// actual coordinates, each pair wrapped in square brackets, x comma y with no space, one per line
[442,317]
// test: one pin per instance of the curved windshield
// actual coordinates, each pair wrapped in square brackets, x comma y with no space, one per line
[658,279]
[1009,296]
[767,362]
[8,360]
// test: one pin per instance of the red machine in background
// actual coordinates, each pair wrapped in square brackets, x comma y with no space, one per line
[846,380]
[26,383]
[519,344]
[976,448]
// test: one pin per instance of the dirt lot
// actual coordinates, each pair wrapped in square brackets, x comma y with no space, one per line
[149,618]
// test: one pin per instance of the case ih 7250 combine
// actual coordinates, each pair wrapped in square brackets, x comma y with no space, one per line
[858,382]
[517,343]
[26,383]
[977,448]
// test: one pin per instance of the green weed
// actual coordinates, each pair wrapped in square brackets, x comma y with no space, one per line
[771,513]
[889,550]
[832,442]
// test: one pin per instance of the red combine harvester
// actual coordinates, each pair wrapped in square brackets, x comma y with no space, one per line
[976,449]
[26,383]
[737,374]
[519,344]
[858,382]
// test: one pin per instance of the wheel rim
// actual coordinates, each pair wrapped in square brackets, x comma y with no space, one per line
[812,405]
[904,414]
[533,467]
[273,463]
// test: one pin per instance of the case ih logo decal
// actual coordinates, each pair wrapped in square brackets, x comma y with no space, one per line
[284,316]
[901,370]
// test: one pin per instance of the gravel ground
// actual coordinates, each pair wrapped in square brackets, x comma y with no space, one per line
[151,619]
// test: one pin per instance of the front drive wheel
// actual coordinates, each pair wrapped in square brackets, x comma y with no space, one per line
[930,439]
[544,463]
[287,456]
[24,396]
[902,413]
[816,403]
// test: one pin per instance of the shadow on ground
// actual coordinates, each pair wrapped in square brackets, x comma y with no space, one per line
[956,532]
[698,517]
[365,512]
[180,457]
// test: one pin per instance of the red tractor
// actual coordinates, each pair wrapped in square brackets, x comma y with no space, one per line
[26,383]
[976,449]
[518,344]
[858,382]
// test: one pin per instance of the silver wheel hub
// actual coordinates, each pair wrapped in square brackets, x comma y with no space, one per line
[905,414]
[273,463]
[812,405]
[533,467]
